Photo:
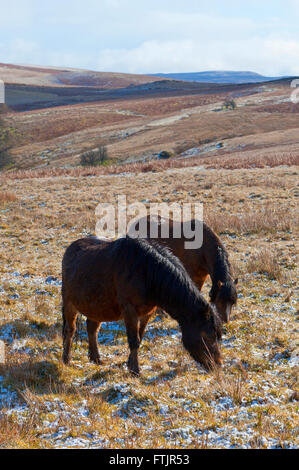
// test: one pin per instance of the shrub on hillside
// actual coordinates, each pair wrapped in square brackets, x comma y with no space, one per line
[229,104]
[94,157]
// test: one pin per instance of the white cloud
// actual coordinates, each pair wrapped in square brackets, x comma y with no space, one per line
[156,36]
[15,14]
[270,57]
[18,49]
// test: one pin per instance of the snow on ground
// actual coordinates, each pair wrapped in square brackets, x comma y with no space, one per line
[237,430]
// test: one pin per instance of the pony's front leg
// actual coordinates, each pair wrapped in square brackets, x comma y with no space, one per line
[93,351]
[132,327]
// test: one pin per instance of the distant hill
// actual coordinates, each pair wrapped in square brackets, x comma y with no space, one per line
[61,77]
[31,87]
[218,76]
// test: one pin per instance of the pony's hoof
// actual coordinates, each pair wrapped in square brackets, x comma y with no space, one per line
[134,371]
[96,360]
[133,366]
[94,357]
[66,360]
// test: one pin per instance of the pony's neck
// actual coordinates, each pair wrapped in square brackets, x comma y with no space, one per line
[185,314]
[183,306]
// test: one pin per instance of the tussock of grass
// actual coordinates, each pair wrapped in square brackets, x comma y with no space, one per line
[19,435]
[267,219]
[265,261]
[35,374]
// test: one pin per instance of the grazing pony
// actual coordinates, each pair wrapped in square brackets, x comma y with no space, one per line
[210,259]
[128,279]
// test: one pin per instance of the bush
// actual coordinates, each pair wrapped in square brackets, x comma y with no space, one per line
[6,159]
[94,157]
[229,104]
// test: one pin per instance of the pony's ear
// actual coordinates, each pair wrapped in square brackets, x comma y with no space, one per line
[236,281]
[219,284]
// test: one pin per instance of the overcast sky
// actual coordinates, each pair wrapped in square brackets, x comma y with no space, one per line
[148,36]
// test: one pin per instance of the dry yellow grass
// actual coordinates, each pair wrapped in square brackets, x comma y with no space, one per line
[252,403]
[7,196]
[265,261]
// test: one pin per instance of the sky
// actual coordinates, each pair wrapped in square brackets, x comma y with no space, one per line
[153,36]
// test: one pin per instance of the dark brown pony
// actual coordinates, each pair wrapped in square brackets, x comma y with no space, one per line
[128,279]
[211,259]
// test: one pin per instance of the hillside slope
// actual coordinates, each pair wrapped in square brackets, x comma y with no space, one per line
[139,122]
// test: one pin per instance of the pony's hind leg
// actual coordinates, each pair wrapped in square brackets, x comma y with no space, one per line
[69,314]
[92,330]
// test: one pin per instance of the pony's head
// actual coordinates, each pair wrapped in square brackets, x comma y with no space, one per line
[201,337]
[224,296]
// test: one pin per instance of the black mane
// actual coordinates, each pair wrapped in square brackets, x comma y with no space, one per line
[165,279]
[222,267]
[222,272]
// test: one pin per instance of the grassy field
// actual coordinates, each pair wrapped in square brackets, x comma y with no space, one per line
[242,165]
[251,403]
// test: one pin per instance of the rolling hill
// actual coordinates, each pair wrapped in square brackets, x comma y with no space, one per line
[218,76]
[60,77]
